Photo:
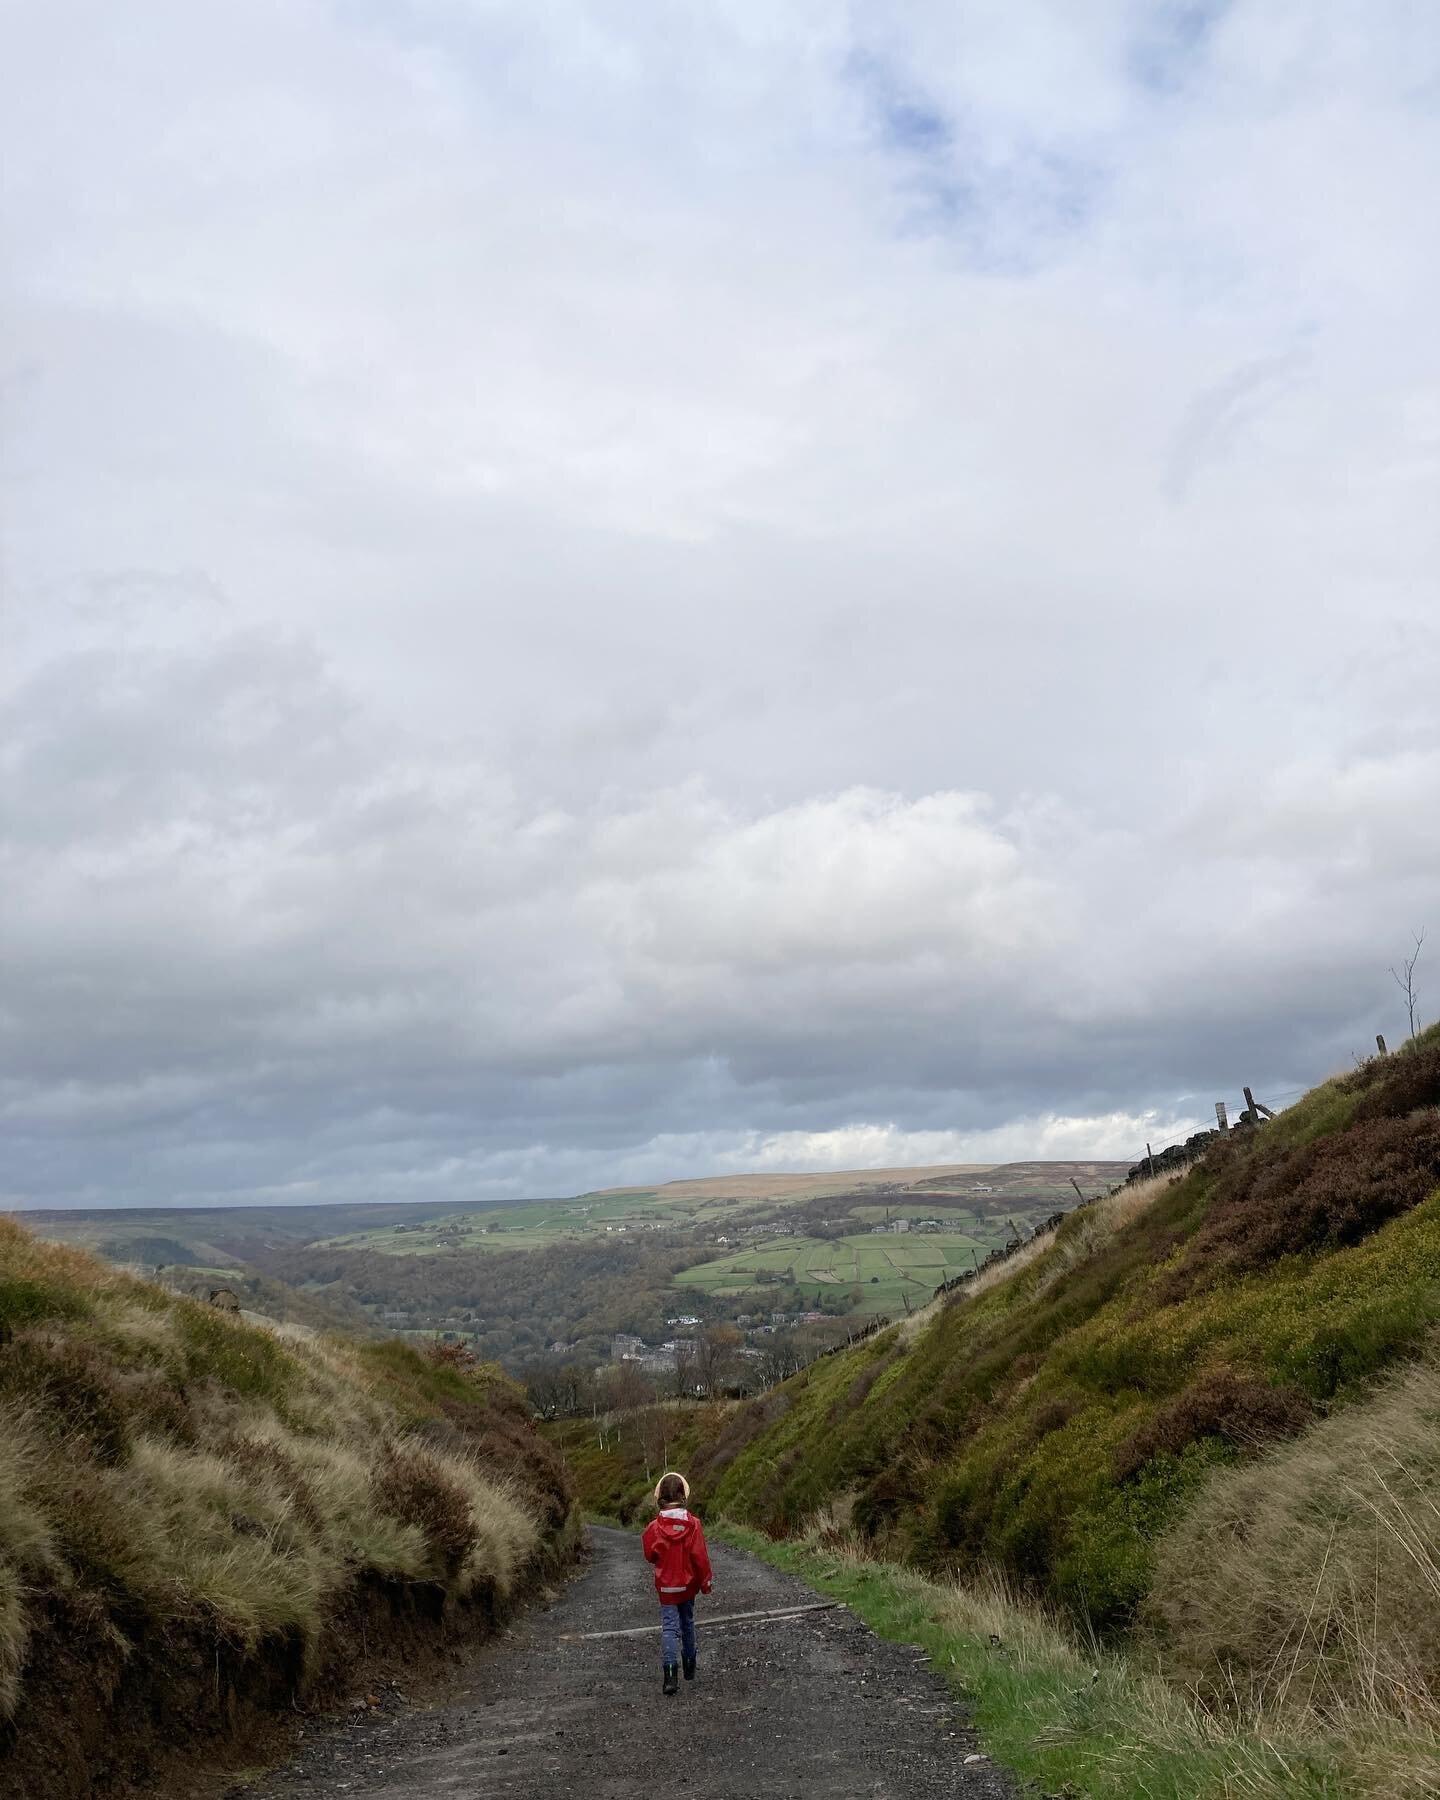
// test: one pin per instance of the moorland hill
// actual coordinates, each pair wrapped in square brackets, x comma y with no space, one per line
[1055,1416]
[204,1522]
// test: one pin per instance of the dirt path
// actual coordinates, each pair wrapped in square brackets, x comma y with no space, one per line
[813,1706]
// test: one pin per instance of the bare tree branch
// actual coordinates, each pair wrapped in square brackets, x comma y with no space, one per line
[1404,978]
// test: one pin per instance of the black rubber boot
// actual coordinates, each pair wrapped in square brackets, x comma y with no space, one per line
[688,1664]
[672,1679]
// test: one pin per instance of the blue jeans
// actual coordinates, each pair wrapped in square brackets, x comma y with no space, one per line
[677,1621]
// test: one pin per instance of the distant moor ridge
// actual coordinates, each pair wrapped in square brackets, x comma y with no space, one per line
[529,1281]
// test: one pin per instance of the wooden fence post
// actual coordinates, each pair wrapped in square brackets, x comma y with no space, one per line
[1380,1044]
[1150,1156]
[1220,1118]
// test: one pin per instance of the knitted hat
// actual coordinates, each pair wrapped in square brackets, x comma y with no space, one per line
[665,1477]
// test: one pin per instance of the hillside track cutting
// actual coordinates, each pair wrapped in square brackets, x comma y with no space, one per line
[814,1705]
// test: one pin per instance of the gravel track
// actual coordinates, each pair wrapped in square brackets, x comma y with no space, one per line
[815,1707]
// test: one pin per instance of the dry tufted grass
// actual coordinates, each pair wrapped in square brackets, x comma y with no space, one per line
[1310,1579]
[177,1465]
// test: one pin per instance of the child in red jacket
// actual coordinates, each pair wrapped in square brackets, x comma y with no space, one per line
[675,1543]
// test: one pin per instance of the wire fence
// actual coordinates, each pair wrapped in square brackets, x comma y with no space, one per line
[1154,1155]
[1153,1152]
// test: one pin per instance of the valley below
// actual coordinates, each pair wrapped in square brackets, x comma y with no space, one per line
[537,1285]
[1143,1462]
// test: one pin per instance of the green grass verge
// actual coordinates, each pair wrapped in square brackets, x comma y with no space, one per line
[1080,1723]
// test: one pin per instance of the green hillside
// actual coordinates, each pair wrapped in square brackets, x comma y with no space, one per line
[202,1521]
[1205,1409]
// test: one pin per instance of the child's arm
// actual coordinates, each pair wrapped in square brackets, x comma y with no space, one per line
[650,1544]
[702,1559]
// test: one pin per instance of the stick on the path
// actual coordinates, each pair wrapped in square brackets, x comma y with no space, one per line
[783,1612]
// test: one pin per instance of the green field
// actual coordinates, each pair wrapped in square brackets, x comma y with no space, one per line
[886,1270]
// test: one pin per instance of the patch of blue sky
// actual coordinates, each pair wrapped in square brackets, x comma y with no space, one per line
[907,120]
[1172,43]
[1006,209]
[1008,220]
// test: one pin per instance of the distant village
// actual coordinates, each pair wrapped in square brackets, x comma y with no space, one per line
[666,1358]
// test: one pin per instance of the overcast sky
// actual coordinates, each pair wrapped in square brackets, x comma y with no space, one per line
[604,592]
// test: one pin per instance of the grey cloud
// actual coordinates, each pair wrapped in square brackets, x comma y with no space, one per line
[301,951]
[552,635]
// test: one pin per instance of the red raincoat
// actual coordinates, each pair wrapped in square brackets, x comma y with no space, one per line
[675,1543]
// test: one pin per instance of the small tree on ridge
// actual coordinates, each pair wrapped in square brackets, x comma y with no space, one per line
[1404,978]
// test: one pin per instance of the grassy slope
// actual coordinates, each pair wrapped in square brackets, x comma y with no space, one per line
[180,1488]
[1056,1422]
[1204,1412]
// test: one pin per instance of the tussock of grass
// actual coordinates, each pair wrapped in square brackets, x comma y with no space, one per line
[1310,1581]
[26,1551]
[163,1465]
[217,1537]
[14,1635]
[505,1531]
